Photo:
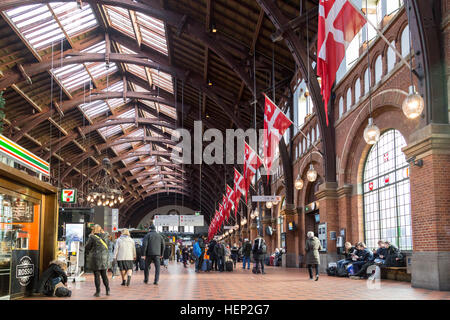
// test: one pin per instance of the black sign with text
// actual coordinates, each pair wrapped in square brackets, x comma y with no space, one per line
[24,271]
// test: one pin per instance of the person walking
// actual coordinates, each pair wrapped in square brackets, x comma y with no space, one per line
[185,255]
[125,254]
[138,260]
[97,250]
[152,248]
[259,250]
[234,254]
[246,252]
[167,254]
[219,250]
[312,254]
[112,262]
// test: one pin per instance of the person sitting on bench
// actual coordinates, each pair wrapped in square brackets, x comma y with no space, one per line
[393,256]
[349,250]
[380,254]
[363,255]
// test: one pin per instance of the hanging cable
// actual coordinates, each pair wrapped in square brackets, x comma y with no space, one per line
[200,118]
[51,110]
[60,117]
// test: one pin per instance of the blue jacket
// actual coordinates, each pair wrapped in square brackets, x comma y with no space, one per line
[197,251]
[364,255]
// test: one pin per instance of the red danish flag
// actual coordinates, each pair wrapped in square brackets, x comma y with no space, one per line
[339,22]
[275,124]
[239,189]
[230,200]
[251,163]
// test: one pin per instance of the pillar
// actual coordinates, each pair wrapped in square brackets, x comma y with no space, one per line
[301,234]
[292,242]
[327,197]
[430,201]
[253,230]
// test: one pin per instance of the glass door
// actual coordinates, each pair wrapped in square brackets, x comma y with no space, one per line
[6,245]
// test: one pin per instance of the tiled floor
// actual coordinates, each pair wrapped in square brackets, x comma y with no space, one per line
[279,283]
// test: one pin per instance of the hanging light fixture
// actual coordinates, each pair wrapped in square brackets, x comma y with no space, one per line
[256,212]
[413,105]
[106,193]
[269,204]
[371,133]
[298,183]
[275,202]
[311,175]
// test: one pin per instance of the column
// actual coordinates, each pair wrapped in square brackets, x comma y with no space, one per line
[292,241]
[430,202]
[327,197]
[253,230]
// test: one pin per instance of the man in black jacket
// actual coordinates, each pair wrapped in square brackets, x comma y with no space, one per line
[212,254]
[153,249]
[363,255]
[246,252]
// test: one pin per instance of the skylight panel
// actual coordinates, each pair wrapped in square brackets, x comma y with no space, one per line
[74,20]
[128,160]
[119,18]
[72,77]
[137,70]
[129,114]
[137,133]
[94,109]
[110,131]
[167,110]
[153,32]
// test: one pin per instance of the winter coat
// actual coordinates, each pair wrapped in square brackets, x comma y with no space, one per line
[364,255]
[197,250]
[392,253]
[234,252]
[348,255]
[219,250]
[125,249]
[153,244]
[167,252]
[45,285]
[211,247]
[257,248]
[380,252]
[138,249]
[97,253]
[312,250]
[247,249]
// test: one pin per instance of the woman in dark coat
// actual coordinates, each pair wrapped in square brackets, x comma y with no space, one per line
[51,277]
[98,257]
[312,254]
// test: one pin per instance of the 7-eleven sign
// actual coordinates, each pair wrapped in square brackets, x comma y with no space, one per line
[69,195]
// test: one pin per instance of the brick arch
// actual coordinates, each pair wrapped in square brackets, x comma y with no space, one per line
[385,102]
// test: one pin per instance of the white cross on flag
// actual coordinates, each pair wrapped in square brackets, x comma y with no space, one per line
[275,124]
[239,189]
[251,163]
[230,200]
[339,22]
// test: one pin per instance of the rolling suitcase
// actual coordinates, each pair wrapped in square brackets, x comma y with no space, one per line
[272,258]
[229,265]
[141,264]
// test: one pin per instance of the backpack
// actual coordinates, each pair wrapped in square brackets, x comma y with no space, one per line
[350,270]
[63,292]
[331,271]
[341,272]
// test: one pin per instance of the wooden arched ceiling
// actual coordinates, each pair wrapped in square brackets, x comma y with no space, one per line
[89,79]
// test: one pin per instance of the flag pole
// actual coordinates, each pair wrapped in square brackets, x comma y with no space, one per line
[380,34]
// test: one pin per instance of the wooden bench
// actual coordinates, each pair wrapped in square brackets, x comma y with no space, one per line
[395,273]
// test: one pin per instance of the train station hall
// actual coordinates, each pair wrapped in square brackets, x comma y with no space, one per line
[202,151]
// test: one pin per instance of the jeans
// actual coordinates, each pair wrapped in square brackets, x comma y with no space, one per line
[148,260]
[56,280]
[214,263]
[246,259]
[357,265]
[342,262]
[316,267]
[378,260]
[104,276]
[221,263]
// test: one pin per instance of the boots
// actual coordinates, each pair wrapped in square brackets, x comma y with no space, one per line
[97,293]
[107,291]
[128,281]
[123,283]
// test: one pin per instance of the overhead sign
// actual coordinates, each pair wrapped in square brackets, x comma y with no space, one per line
[23,156]
[166,220]
[265,198]
[228,227]
[192,220]
[69,195]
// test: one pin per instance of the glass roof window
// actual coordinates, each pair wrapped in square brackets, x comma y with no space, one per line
[119,18]
[153,32]
[43,24]
[94,108]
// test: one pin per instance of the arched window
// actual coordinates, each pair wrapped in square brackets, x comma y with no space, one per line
[378,69]
[341,107]
[366,81]
[349,99]
[308,140]
[390,58]
[405,42]
[386,193]
[357,90]
[317,131]
[313,135]
[299,149]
